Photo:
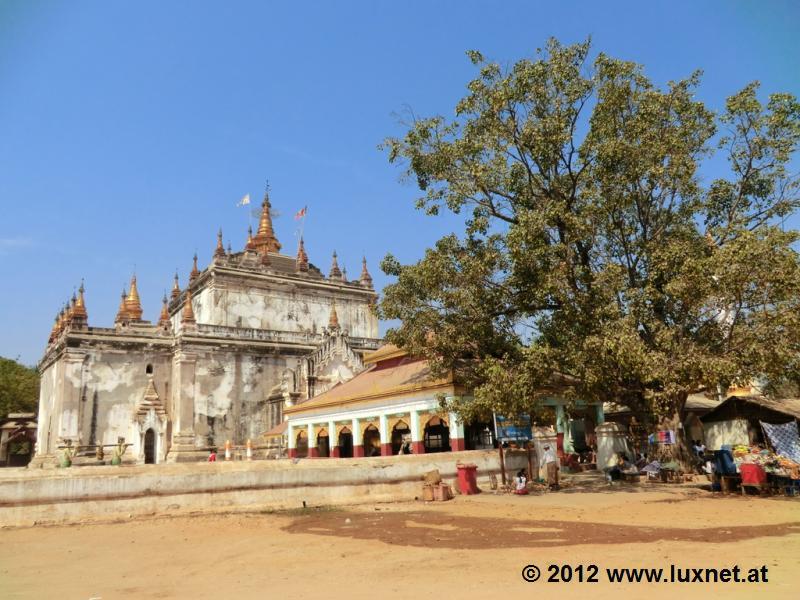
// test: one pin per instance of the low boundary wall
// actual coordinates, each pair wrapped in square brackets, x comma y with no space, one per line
[29,497]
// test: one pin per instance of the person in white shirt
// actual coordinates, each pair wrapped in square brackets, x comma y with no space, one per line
[521,483]
[549,460]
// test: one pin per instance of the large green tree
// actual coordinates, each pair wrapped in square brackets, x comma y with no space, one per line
[19,387]
[597,248]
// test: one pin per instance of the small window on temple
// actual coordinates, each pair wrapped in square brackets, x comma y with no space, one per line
[149,370]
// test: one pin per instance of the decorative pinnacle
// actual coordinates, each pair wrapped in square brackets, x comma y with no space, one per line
[335,272]
[133,304]
[365,279]
[188,312]
[301,264]
[195,271]
[333,321]
[220,250]
[176,287]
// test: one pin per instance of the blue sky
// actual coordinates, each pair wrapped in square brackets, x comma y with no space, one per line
[129,130]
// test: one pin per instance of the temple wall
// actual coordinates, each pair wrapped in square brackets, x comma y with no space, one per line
[48,410]
[91,395]
[231,395]
[284,310]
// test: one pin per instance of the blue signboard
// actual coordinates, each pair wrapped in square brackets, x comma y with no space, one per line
[517,429]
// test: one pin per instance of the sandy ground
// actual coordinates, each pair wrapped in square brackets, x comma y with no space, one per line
[473,546]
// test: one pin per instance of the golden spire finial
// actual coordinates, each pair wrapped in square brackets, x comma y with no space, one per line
[265,240]
[249,245]
[335,272]
[163,318]
[220,250]
[301,264]
[122,312]
[366,278]
[188,312]
[176,287]
[333,321]
[195,271]
[71,308]
[79,314]
[133,304]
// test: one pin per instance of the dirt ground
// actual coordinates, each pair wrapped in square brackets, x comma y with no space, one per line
[473,546]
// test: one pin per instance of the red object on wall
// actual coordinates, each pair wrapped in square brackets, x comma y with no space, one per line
[292,452]
[468,478]
[386,449]
[752,474]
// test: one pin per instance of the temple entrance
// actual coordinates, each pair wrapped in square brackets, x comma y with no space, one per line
[323,445]
[437,436]
[301,445]
[149,447]
[372,441]
[400,433]
[345,443]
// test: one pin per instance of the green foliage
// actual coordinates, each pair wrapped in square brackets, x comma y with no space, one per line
[594,256]
[19,387]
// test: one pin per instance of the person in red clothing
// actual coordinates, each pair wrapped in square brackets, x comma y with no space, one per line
[212,457]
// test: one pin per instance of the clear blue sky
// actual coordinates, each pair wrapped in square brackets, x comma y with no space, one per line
[129,130]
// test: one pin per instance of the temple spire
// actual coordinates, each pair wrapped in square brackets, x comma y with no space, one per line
[195,271]
[219,252]
[333,320]
[301,264]
[365,279]
[265,240]
[133,304]
[250,245]
[176,288]
[163,319]
[71,308]
[188,312]
[335,272]
[79,314]
[122,312]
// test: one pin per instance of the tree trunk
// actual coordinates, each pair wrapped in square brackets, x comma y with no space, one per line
[681,451]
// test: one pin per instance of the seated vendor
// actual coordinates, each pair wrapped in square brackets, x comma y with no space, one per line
[624,465]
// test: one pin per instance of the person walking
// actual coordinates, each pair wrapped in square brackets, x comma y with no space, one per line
[549,460]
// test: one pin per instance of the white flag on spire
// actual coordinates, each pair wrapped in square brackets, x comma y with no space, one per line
[244,201]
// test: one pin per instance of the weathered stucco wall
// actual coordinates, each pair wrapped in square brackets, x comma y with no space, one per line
[232,392]
[287,308]
[91,395]
[113,492]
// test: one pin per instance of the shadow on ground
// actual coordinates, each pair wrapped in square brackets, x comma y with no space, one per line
[439,530]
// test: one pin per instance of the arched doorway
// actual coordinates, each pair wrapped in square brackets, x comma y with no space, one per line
[323,444]
[301,445]
[150,447]
[345,443]
[437,436]
[400,433]
[372,441]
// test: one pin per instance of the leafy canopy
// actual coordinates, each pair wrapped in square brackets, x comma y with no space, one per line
[19,387]
[594,250]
